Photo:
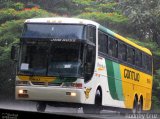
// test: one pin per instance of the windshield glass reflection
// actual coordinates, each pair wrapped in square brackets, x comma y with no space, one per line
[57,59]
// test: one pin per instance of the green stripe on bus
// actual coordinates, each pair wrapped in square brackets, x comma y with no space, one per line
[114,80]
[118,81]
[107,30]
[111,81]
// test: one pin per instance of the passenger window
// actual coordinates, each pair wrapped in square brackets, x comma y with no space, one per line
[149,64]
[138,58]
[102,42]
[122,51]
[130,55]
[144,62]
[113,47]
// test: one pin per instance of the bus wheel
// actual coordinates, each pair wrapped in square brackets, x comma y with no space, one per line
[41,106]
[135,106]
[140,106]
[94,109]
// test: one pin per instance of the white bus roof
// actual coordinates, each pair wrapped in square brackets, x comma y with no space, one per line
[84,21]
[61,20]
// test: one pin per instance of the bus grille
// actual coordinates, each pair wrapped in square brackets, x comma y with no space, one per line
[49,84]
[54,84]
[38,83]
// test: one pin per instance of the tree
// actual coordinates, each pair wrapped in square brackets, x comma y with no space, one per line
[142,16]
[11,25]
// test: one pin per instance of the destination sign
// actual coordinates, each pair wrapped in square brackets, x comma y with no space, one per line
[63,40]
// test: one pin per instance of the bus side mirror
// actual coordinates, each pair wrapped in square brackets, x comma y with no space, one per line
[14,51]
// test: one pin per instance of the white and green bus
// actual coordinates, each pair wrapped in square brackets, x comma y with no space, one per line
[77,62]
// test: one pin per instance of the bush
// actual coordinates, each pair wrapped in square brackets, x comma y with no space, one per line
[104,17]
[18,6]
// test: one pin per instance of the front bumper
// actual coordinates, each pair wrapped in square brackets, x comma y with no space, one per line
[50,93]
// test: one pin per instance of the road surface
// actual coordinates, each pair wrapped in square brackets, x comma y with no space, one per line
[78,112]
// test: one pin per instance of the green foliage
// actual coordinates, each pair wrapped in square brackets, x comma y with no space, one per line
[156,91]
[6,4]
[82,6]
[10,31]
[108,7]
[84,2]
[12,14]
[153,46]
[18,6]
[7,14]
[33,13]
[143,18]
[101,17]
[155,103]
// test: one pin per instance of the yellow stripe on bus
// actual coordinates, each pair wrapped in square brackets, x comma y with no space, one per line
[133,44]
[37,78]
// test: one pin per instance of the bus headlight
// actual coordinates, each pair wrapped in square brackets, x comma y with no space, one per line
[73,94]
[20,91]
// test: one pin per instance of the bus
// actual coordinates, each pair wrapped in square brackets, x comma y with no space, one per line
[79,63]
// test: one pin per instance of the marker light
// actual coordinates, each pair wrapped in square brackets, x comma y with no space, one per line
[73,94]
[20,91]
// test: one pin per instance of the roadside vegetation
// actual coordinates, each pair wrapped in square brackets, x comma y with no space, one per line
[138,20]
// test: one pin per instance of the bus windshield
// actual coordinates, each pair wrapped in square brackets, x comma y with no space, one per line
[57,59]
[64,59]
[60,31]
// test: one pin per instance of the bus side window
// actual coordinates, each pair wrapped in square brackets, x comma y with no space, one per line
[148,63]
[122,51]
[138,58]
[130,55]
[102,42]
[144,62]
[112,47]
[91,33]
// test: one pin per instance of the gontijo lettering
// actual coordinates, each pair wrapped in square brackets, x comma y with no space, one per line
[131,75]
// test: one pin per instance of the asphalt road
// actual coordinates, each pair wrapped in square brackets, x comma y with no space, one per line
[77,112]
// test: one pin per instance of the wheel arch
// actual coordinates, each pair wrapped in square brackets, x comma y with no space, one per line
[101,93]
[135,97]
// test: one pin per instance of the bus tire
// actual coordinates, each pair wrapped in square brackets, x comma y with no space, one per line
[140,106]
[98,98]
[135,106]
[41,106]
[96,108]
